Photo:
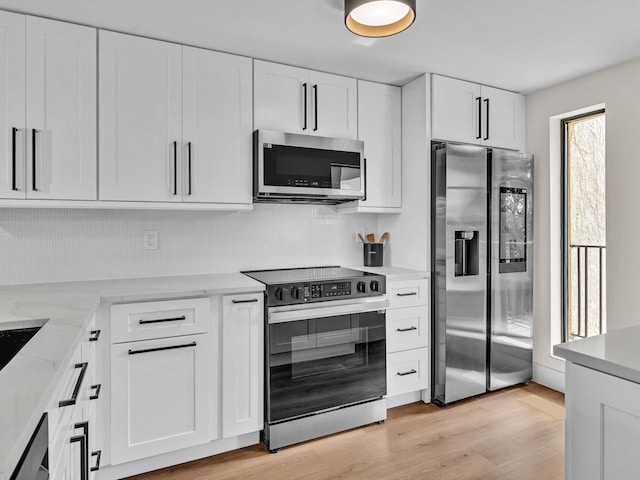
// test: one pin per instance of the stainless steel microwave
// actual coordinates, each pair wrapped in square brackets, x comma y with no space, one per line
[295,168]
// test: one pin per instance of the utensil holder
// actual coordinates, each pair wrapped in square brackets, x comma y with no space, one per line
[373,254]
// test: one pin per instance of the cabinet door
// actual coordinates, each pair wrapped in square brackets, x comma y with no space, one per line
[140,118]
[455,110]
[217,127]
[242,364]
[602,425]
[503,118]
[281,97]
[12,101]
[379,127]
[334,101]
[160,396]
[61,110]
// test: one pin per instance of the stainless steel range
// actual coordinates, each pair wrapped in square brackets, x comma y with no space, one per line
[325,352]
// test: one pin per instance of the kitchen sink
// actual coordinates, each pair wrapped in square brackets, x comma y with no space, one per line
[11,341]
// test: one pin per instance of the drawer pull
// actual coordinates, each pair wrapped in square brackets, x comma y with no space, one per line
[406,329]
[84,448]
[95,335]
[97,388]
[252,300]
[160,320]
[409,294]
[98,456]
[410,372]
[74,396]
[172,347]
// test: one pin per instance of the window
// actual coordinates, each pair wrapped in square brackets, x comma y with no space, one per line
[583,222]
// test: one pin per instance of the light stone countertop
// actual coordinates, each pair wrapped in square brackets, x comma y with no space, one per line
[394,273]
[29,380]
[615,353]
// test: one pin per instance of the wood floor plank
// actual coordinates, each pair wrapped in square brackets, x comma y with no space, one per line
[511,434]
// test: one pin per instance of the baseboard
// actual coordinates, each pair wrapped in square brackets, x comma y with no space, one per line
[411,397]
[548,377]
[114,472]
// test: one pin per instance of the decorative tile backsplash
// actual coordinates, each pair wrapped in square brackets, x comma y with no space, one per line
[49,245]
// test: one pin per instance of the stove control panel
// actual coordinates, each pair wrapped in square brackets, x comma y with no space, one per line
[298,293]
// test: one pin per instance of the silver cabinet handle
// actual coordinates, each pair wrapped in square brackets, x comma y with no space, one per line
[406,329]
[409,372]
[161,320]
[172,347]
[406,294]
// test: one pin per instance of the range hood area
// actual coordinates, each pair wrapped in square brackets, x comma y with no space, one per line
[306,169]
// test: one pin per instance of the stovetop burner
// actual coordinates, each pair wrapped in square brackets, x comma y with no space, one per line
[292,286]
[309,274]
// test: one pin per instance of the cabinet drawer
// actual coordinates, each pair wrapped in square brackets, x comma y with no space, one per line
[148,320]
[59,416]
[407,293]
[407,328]
[407,371]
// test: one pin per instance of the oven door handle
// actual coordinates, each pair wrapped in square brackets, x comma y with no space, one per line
[309,311]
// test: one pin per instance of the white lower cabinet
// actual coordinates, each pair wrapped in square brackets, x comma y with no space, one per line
[242,364]
[160,396]
[74,446]
[602,425]
[407,341]
[186,380]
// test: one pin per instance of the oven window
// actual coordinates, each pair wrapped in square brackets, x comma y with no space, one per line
[326,362]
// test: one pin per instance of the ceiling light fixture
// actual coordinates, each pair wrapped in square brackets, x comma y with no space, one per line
[379,18]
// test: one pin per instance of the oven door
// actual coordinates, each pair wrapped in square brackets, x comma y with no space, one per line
[324,357]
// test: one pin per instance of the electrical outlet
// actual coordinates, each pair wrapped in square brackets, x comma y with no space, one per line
[360,231]
[150,240]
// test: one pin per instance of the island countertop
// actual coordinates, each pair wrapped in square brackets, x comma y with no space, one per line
[615,353]
[64,310]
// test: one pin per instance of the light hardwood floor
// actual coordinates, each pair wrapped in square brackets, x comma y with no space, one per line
[512,434]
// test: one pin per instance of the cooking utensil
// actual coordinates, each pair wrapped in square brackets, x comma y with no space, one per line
[361,238]
[384,236]
[372,238]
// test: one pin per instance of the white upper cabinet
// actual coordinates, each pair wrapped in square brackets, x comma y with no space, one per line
[61,110]
[12,101]
[48,105]
[334,105]
[470,113]
[217,126]
[380,128]
[175,123]
[454,107]
[292,99]
[140,118]
[503,122]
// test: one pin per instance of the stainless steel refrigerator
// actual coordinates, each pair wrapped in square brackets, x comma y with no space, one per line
[482,269]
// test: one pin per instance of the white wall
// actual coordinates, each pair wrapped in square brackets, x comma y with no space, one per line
[45,245]
[617,89]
